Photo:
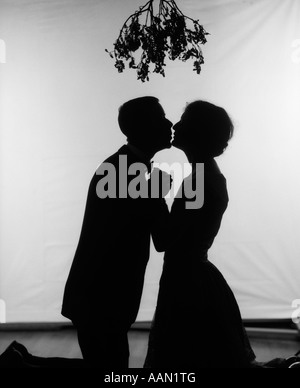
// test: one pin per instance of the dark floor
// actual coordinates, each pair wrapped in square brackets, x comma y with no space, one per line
[61,341]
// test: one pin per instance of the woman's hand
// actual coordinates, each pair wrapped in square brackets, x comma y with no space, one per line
[160,183]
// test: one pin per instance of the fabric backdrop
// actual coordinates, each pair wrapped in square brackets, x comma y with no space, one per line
[59,97]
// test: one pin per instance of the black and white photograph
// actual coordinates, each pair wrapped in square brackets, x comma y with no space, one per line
[149,187]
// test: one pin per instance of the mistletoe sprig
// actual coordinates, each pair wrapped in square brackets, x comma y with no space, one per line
[152,38]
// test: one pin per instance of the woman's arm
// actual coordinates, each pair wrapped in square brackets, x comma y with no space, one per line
[160,183]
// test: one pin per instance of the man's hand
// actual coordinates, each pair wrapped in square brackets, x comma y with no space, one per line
[161,183]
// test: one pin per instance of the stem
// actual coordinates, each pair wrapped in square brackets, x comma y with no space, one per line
[160,8]
[174,5]
[164,9]
[139,12]
[151,12]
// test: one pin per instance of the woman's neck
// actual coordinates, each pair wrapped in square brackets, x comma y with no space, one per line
[210,166]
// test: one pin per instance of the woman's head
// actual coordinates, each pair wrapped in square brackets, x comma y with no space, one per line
[203,131]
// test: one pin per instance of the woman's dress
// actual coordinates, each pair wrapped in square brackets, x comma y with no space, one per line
[197,322]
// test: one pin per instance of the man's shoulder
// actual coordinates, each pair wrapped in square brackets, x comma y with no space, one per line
[115,158]
[113,161]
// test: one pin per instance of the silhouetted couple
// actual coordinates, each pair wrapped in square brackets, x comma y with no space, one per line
[197,316]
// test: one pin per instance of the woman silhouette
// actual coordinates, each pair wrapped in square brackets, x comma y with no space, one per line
[197,322]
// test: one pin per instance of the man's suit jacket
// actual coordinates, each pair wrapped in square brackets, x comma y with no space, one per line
[107,274]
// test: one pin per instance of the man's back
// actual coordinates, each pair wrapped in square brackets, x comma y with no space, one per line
[105,284]
[107,273]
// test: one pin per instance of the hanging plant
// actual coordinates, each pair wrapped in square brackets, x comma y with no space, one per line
[151,38]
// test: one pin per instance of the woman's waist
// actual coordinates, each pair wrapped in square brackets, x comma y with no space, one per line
[187,254]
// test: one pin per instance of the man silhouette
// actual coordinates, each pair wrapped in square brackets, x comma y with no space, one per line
[104,287]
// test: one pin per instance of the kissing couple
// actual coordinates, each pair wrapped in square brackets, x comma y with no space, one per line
[196,313]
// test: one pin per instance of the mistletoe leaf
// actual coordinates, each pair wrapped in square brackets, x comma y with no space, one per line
[157,36]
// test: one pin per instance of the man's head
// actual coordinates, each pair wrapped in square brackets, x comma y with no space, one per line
[143,122]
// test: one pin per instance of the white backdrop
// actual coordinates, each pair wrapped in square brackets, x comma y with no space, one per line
[59,96]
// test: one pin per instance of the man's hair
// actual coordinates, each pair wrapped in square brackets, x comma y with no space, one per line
[133,115]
